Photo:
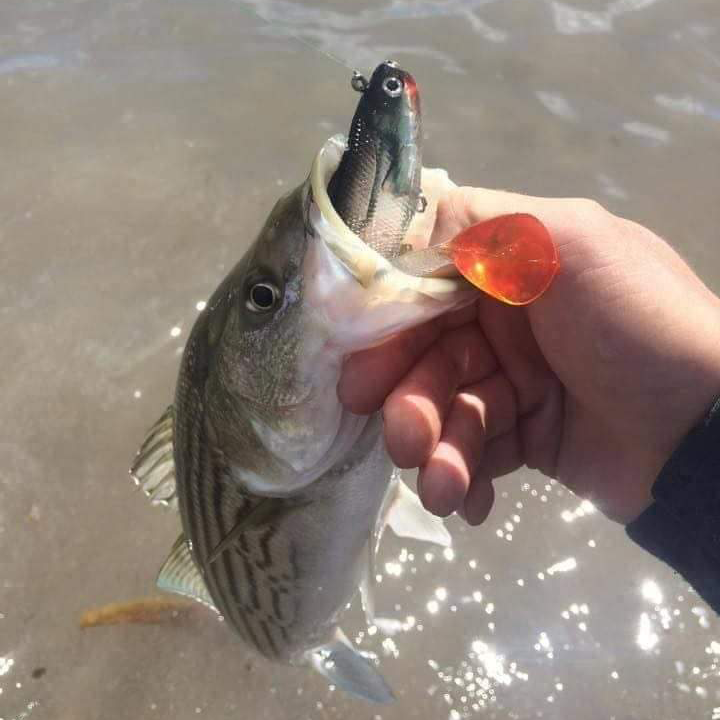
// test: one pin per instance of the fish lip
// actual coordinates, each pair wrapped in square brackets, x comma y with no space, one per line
[363,262]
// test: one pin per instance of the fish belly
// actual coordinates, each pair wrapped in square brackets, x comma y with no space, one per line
[295,576]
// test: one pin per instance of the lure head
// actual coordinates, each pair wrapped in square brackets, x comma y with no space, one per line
[391,102]
[376,188]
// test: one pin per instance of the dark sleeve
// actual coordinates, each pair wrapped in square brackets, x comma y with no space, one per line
[682,526]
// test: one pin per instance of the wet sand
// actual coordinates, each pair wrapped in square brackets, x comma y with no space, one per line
[143,143]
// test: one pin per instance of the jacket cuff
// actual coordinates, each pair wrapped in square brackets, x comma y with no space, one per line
[682,526]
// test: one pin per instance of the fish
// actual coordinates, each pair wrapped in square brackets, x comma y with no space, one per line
[376,188]
[283,494]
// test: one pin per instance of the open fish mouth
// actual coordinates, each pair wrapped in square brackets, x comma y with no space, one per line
[380,287]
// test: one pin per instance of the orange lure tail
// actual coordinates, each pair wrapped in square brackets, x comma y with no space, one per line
[511,257]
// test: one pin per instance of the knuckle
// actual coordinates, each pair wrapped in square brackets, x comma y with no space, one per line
[589,210]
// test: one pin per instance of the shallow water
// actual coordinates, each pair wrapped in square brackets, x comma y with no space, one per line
[143,143]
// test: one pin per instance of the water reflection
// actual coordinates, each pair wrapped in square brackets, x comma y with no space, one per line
[647,638]
[572,20]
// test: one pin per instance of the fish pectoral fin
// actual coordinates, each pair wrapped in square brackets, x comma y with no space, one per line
[180,575]
[408,518]
[154,467]
[348,670]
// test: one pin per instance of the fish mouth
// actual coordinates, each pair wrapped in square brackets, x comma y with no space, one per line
[352,298]
[364,263]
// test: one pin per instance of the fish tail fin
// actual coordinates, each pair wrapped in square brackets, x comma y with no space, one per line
[347,669]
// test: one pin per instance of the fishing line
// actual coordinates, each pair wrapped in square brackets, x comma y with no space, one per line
[293,34]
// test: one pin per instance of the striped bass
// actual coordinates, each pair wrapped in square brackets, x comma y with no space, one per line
[283,494]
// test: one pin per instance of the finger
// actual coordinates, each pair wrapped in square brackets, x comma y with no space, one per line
[510,335]
[540,432]
[479,500]
[502,455]
[414,412]
[565,218]
[478,412]
[368,376]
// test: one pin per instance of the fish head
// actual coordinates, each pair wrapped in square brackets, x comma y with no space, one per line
[308,292]
[255,315]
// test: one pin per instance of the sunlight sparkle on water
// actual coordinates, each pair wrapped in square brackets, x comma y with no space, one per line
[175,331]
[651,592]
[449,554]
[646,639]
[583,509]
[200,305]
[543,642]
[390,648]
[493,663]
[701,615]
[433,606]
[563,566]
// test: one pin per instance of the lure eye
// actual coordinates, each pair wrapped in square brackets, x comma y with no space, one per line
[392,86]
[262,297]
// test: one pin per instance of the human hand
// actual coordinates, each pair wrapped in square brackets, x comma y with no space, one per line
[594,384]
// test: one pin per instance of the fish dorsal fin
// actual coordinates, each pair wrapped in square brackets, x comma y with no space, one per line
[154,467]
[406,517]
[346,668]
[180,575]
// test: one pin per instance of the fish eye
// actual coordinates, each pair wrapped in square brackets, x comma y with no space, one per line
[263,296]
[392,86]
